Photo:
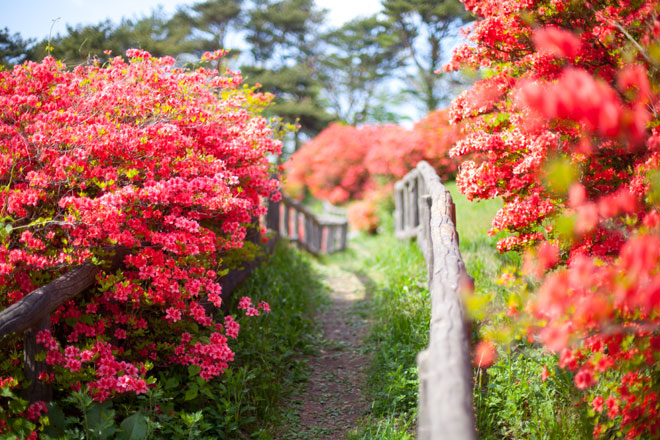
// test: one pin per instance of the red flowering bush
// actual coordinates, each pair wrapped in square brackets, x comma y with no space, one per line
[169,165]
[438,135]
[565,129]
[350,163]
[332,165]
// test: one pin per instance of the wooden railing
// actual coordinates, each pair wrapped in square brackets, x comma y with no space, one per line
[318,234]
[425,210]
[31,313]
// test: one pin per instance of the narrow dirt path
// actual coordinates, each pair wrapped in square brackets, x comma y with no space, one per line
[333,399]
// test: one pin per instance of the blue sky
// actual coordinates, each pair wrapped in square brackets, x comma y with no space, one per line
[34,18]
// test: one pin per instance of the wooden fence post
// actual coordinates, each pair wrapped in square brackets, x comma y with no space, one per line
[38,389]
[332,231]
[424,208]
[273,216]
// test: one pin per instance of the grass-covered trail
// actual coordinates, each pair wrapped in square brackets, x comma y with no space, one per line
[333,400]
[336,358]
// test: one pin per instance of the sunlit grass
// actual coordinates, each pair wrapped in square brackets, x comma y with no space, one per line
[510,400]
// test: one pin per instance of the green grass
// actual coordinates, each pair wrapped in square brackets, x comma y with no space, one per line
[272,349]
[511,402]
[398,309]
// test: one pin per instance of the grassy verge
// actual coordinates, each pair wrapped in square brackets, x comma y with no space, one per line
[510,400]
[398,309]
[246,401]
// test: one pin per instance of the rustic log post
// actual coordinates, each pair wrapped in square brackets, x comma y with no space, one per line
[38,389]
[313,240]
[332,231]
[273,216]
[426,210]
[406,211]
[295,224]
[344,236]
[398,207]
[449,390]
[424,237]
[285,219]
[324,239]
[414,202]
[309,233]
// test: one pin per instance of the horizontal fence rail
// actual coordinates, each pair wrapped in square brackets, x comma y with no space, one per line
[29,315]
[318,234]
[425,210]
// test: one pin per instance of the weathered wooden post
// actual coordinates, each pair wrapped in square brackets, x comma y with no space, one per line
[445,372]
[344,236]
[38,390]
[332,232]
[273,216]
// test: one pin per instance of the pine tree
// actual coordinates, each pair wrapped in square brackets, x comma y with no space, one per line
[423,26]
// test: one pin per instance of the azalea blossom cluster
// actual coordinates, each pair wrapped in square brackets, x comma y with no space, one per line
[345,163]
[565,129]
[164,165]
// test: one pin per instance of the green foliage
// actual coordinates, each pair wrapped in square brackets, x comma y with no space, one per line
[512,401]
[217,19]
[284,43]
[386,429]
[361,55]
[157,33]
[13,49]
[280,30]
[424,27]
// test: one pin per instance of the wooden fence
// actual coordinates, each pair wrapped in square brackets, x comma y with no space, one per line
[318,234]
[31,314]
[425,210]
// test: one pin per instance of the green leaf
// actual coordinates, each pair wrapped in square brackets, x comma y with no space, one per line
[560,175]
[6,392]
[193,370]
[191,392]
[101,420]
[171,383]
[134,427]
[56,419]
[17,405]
[654,193]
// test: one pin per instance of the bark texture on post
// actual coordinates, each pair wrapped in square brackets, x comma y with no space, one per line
[425,209]
[37,390]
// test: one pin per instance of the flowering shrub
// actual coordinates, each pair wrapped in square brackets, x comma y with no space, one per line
[349,163]
[564,128]
[332,165]
[168,164]
[362,214]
